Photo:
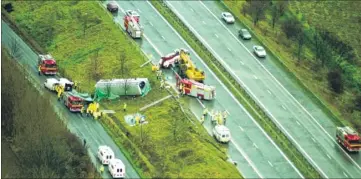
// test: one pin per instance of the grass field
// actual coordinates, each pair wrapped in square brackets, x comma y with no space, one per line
[192,153]
[315,83]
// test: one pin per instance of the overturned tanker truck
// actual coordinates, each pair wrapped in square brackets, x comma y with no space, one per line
[113,89]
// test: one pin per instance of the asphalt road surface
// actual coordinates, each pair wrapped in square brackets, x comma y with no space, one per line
[84,127]
[256,154]
[311,130]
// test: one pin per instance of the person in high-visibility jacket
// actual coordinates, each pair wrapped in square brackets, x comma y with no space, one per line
[60,92]
[75,85]
[224,116]
[137,119]
[82,110]
[155,68]
[202,119]
[89,108]
[96,106]
[205,112]
[39,70]
[101,169]
[125,107]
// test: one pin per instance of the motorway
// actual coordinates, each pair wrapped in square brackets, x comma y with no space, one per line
[305,124]
[85,128]
[256,154]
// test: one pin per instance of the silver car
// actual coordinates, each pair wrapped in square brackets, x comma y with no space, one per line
[259,51]
[112,6]
[227,17]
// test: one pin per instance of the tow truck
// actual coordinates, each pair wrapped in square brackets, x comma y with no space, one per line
[348,138]
[131,24]
[187,68]
[195,89]
[47,64]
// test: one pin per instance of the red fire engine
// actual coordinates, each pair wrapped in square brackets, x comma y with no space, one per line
[47,64]
[195,89]
[348,138]
[131,24]
[72,101]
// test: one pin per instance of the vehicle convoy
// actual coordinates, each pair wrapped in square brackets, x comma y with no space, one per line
[195,89]
[131,24]
[348,138]
[170,60]
[116,168]
[187,69]
[47,64]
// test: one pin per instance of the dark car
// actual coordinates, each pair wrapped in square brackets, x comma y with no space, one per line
[244,34]
[112,6]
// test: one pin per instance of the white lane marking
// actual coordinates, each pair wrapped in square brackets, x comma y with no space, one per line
[216,35]
[269,91]
[270,163]
[345,174]
[192,10]
[202,39]
[284,107]
[295,100]
[151,24]
[298,123]
[163,37]
[246,157]
[203,22]
[139,10]
[241,128]
[200,102]
[241,62]
[255,77]
[313,139]
[254,144]
[229,49]
[328,156]
[233,97]
[228,112]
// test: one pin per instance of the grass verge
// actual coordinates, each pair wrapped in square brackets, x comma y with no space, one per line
[80,32]
[292,153]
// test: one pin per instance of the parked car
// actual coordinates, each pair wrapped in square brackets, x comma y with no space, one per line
[116,168]
[112,6]
[221,133]
[259,51]
[227,17]
[244,34]
[105,154]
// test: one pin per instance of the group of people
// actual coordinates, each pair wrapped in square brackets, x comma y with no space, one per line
[219,117]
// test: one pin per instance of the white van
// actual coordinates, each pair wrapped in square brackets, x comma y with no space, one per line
[116,168]
[105,154]
[221,133]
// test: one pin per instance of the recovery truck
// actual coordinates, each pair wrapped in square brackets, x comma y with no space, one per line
[349,138]
[169,60]
[47,64]
[195,89]
[131,24]
[187,68]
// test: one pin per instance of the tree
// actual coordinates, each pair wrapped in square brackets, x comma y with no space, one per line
[293,29]
[357,102]
[256,8]
[335,81]
[278,9]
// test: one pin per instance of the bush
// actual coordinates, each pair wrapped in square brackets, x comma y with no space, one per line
[335,81]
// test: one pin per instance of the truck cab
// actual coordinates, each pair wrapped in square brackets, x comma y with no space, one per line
[222,133]
[47,64]
[105,154]
[116,168]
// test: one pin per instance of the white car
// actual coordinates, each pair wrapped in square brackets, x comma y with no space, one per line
[105,154]
[221,133]
[116,168]
[226,16]
[259,51]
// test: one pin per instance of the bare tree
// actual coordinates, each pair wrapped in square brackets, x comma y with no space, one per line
[257,9]
[278,8]
[95,66]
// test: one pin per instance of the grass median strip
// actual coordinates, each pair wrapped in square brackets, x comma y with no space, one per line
[282,141]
